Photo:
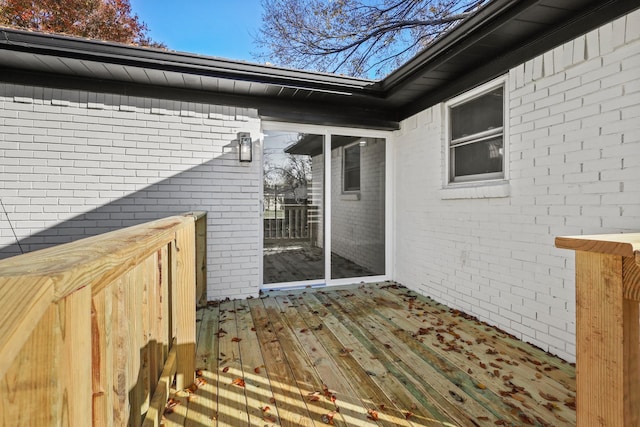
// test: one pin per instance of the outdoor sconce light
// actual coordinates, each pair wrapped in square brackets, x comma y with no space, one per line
[245,150]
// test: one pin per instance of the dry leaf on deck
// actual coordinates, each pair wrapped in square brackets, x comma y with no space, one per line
[236,339]
[548,397]
[238,381]
[373,415]
[172,403]
[314,396]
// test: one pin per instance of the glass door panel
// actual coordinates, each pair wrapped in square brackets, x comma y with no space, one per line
[293,182]
[357,206]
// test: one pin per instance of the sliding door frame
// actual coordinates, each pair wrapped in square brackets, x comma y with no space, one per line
[327,133]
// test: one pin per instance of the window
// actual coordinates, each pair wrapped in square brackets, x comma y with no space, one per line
[476,135]
[351,168]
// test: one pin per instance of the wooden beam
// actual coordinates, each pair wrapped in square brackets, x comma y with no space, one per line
[185,301]
[607,329]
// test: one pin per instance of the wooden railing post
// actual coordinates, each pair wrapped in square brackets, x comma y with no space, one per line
[185,309]
[607,328]
[201,256]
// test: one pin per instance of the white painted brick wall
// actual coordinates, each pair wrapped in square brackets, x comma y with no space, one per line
[574,168]
[75,163]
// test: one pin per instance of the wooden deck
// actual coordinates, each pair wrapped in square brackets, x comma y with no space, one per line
[366,355]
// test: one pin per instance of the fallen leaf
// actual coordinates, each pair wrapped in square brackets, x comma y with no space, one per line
[302,331]
[239,382]
[456,396]
[314,396]
[328,418]
[272,400]
[481,386]
[408,415]
[526,419]
[225,369]
[172,403]
[548,397]
[372,414]
[236,339]
[256,370]
[570,403]
[345,352]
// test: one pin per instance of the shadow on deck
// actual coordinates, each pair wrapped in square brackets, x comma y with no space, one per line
[366,355]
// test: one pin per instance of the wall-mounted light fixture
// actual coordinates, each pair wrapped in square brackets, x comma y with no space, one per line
[245,149]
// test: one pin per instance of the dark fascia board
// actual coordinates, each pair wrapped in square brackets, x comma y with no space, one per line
[109,52]
[599,13]
[269,108]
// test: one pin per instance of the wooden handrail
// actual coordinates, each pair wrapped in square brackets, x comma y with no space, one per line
[76,320]
[607,328]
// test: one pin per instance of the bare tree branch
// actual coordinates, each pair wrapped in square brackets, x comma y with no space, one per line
[355,37]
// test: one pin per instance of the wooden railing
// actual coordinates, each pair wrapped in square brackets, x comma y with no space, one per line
[95,331]
[607,328]
[294,225]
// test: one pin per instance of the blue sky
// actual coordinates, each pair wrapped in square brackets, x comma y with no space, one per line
[221,28]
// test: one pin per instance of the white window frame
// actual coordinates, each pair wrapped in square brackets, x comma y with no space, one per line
[480,179]
[344,169]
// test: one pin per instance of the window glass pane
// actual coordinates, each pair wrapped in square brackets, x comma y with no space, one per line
[293,186]
[351,174]
[477,158]
[477,115]
[352,180]
[357,219]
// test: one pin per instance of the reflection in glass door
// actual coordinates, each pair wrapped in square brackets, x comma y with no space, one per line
[293,182]
[357,206]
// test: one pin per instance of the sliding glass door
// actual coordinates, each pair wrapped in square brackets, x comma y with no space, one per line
[357,206]
[324,216]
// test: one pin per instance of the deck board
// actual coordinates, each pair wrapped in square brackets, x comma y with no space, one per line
[376,347]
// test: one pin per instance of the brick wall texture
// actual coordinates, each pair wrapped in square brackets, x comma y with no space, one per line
[74,164]
[574,168]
